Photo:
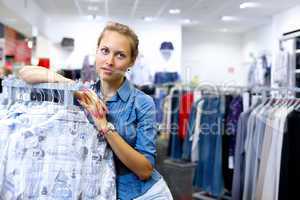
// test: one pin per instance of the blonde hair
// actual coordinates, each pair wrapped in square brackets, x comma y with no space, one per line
[126,31]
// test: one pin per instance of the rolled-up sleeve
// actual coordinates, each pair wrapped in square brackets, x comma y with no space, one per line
[146,128]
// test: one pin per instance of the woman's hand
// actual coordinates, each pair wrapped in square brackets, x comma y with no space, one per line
[96,107]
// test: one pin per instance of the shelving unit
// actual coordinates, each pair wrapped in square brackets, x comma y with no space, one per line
[292,40]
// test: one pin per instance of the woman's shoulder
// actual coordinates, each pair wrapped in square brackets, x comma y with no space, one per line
[143,101]
[143,97]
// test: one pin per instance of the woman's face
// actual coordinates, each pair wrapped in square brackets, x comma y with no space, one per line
[113,56]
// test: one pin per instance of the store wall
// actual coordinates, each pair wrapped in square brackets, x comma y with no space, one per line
[257,41]
[215,57]
[151,35]
[47,49]
[85,35]
[267,37]
[28,13]
[285,22]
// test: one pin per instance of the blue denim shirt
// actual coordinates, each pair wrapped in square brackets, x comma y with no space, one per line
[133,114]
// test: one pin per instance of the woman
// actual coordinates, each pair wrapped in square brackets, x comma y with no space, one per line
[126,118]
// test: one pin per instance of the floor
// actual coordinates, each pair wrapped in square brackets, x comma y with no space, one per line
[179,178]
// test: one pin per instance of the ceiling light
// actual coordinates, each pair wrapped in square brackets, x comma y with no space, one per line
[229,18]
[249,5]
[92,8]
[186,21]
[93,17]
[94,1]
[224,30]
[189,21]
[174,11]
[148,19]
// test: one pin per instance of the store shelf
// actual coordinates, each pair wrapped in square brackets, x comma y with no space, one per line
[297,71]
[297,51]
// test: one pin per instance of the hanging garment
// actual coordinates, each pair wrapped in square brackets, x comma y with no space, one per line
[282,69]
[159,97]
[60,158]
[165,77]
[140,75]
[186,102]
[256,126]
[234,106]
[271,180]
[175,144]
[196,133]
[208,173]
[289,167]
[88,71]
[190,147]
[239,159]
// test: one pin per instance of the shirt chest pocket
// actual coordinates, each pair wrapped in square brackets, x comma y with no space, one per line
[127,126]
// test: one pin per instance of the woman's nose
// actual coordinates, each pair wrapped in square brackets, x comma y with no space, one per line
[110,59]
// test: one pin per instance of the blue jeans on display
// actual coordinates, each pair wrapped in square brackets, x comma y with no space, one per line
[175,142]
[208,173]
[166,77]
[159,100]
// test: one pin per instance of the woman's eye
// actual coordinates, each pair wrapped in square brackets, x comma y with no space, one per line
[121,56]
[105,51]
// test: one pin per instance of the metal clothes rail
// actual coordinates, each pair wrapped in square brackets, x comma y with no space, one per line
[13,86]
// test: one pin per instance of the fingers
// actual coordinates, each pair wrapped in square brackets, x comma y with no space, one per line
[90,101]
[103,106]
[93,97]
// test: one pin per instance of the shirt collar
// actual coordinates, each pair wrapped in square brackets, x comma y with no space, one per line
[123,92]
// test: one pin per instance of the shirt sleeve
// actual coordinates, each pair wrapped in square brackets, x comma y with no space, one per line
[146,128]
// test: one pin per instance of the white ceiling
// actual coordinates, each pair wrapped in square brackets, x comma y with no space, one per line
[10,19]
[206,13]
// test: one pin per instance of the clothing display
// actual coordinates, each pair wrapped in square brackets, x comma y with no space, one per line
[208,174]
[88,71]
[259,73]
[261,151]
[140,74]
[166,77]
[160,94]
[51,151]
[282,68]
[184,112]
[233,109]
[290,158]
[240,151]
[203,130]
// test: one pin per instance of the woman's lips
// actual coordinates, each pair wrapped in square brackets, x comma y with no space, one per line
[107,71]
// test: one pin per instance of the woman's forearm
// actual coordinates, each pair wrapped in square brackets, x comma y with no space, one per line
[131,158]
[35,74]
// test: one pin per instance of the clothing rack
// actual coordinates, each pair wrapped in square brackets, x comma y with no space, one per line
[13,86]
[284,91]
[290,35]
[256,89]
